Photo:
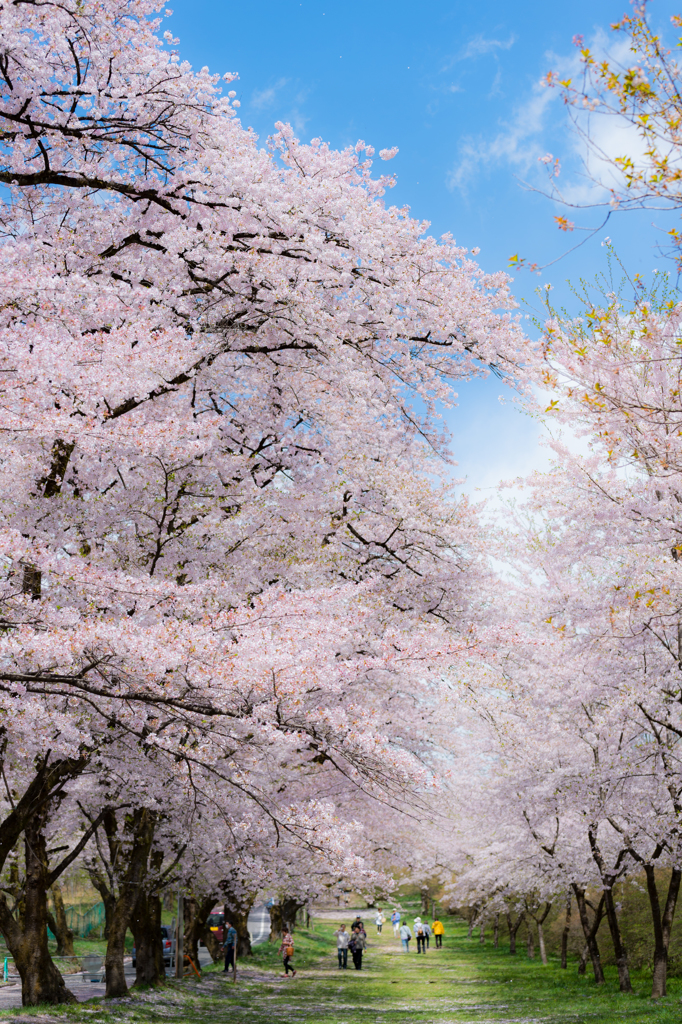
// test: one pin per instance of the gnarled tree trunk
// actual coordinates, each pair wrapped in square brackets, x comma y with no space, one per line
[141,828]
[282,917]
[145,924]
[41,982]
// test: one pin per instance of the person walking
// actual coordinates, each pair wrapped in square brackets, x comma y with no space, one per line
[357,923]
[357,945]
[287,951]
[342,940]
[395,921]
[438,931]
[229,946]
[421,936]
[405,936]
[379,920]
[427,933]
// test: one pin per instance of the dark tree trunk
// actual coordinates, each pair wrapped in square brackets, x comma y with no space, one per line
[276,925]
[142,834]
[566,932]
[26,939]
[237,911]
[582,963]
[530,941]
[609,878]
[197,913]
[590,929]
[481,933]
[212,945]
[513,929]
[282,917]
[617,940]
[662,923]
[425,899]
[145,924]
[102,885]
[496,931]
[62,932]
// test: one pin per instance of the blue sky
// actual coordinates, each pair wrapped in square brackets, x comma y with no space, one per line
[455,85]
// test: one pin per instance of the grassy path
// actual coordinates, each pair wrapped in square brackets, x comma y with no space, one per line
[464,983]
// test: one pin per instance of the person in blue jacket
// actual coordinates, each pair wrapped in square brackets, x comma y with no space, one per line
[229,946]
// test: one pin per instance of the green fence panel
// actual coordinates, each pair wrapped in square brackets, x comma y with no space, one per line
[83,924]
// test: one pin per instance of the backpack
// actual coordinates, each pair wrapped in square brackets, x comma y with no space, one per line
[420,930]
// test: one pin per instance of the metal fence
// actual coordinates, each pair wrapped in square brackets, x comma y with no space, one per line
[82,924]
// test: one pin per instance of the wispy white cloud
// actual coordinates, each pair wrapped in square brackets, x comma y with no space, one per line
[479,46]
[516,144]
[534,127]
[266,97]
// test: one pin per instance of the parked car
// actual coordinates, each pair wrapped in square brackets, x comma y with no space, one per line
[168,942]
[216,922]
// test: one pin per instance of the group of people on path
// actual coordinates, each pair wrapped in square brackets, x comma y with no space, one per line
[422,932]
[355,939]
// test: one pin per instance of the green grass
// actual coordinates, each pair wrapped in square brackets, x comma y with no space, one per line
[463,982]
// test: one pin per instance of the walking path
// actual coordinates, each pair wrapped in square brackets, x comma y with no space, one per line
[463,983]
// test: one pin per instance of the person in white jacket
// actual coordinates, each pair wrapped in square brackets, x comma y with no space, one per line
[405,935]
[342,940]
[379,920]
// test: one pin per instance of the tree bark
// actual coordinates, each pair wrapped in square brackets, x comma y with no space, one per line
[566,932]
[530,941]
[540,920]
[237,911]
[197,913]
[541,943]
[609,878]
[617,940]
[102,885]
[142,834]
[26,939]
[496,931]
[590,930]
[62,932]
[276,926]
[212,945]
[662,923]
[282,917]
[513,929]
[145,924]
[481,933]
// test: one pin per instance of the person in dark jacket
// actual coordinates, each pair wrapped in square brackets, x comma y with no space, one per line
[229,946]
[357,945]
